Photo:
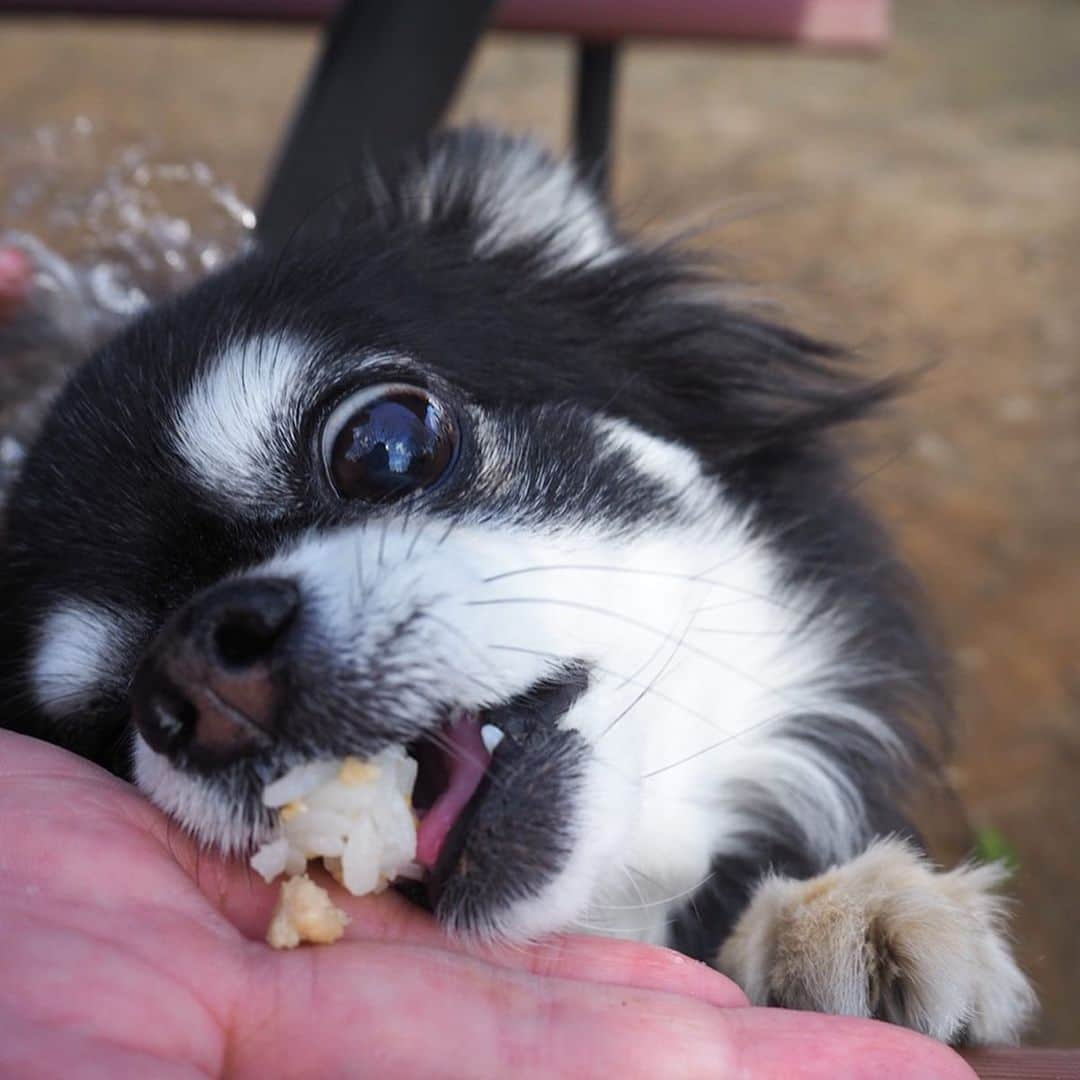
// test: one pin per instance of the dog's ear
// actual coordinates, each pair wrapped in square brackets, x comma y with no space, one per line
[506,193]
[728,380]
[665,348]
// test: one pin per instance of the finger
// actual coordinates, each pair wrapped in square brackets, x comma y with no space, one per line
[248,902]
[389,918]
[53,802]
[625,963]
[393,1011]
[16,281]
[40,781]
[389,1010]
[791,1045]
[25,758]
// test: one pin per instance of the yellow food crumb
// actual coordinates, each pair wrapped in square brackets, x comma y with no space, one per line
[354,771]
[291,810]
[305,912]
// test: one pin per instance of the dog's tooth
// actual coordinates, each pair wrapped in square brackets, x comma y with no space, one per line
[492,736]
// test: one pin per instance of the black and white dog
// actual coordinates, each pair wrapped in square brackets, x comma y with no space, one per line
[484,456]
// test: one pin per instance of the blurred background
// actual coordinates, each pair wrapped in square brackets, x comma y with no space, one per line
[922,204]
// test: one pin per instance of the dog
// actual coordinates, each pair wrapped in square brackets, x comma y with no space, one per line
[481,469]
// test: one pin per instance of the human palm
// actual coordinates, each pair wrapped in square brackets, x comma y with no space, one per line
[125,951]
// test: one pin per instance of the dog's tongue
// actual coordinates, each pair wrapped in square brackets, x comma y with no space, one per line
[466,762]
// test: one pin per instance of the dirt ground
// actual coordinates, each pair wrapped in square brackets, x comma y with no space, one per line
[924,206]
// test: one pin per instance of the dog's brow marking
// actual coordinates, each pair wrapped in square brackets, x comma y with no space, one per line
[667,462]
[76,646]
[675,467]
[239,414]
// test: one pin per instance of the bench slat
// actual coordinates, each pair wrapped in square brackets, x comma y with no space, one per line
[858,24]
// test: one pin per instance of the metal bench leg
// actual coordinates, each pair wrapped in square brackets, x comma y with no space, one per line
[387,72]
[593,110]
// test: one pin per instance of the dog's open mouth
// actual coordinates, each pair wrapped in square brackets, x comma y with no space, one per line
[426,814]
[453,763]
[457,760]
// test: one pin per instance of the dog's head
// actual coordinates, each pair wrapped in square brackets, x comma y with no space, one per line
[483,477]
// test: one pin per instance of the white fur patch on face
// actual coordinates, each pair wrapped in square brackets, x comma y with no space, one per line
[78,648]
[525,197]
[231,428]
[196,804]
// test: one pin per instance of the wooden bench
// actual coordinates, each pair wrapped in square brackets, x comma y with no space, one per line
[857,24]
[369,98]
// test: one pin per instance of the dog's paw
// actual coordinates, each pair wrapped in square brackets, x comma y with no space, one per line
[886,936]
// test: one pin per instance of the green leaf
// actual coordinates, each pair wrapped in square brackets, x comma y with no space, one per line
[991,846]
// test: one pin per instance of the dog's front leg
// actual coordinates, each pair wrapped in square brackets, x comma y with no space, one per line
[886,936]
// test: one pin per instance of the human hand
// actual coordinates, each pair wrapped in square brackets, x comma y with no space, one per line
[16,279]
[124,951]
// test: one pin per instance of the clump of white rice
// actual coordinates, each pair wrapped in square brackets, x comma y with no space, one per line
[355,815]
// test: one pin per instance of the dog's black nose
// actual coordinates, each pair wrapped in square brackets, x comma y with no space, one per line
[211,683]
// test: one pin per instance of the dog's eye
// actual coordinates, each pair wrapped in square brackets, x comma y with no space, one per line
[387,441]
